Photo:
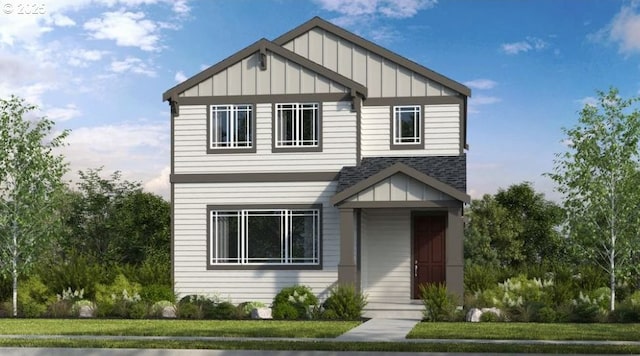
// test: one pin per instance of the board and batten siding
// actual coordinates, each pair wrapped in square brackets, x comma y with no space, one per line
[382,77]
[190,240]
[441,131]
[281,77]
[386,254]
[338,144]
[399,187]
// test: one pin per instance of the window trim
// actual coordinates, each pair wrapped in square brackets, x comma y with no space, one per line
[274,127]
[392,129]
[265,266]
[224,150]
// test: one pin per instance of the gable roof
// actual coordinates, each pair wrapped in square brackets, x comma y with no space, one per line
[387,172]
[374,48]
[261,45]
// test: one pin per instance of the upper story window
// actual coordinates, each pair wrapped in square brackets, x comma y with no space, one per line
[407,131]
[297,126]
[264,237]
[230,128]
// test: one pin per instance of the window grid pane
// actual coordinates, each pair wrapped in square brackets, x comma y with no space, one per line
[407,125]
[231,126]
[297,125]
[288,236]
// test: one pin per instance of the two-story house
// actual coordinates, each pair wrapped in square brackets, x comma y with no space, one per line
[317,158]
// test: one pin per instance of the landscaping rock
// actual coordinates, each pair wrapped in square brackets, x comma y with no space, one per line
[261,313]
[474,314]
[85,311]
[169,312]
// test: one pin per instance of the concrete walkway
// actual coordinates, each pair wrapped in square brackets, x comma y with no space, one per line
[380,330]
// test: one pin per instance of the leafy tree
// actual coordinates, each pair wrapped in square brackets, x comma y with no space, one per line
[599,178]
[30,182]
[113,221]
[515,228]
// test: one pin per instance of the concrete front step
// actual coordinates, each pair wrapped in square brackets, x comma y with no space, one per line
[394,310]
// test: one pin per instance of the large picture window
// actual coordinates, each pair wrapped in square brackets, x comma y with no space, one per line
[407,126]
[264,237]
[231,127]
[297,125]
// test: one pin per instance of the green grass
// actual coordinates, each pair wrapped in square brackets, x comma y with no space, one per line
[526,331]
[323,346]
[227,328]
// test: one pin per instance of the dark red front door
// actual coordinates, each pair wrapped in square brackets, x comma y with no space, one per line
[428,251]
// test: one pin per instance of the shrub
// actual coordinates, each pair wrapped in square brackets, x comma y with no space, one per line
[118,298]
[626,312]
[344,303]
[489,316]
[196,307]
[225,311]
[439,305]
[546,314]
[297,297]
[75,272]
[156,292]
[33,298]
[478,278]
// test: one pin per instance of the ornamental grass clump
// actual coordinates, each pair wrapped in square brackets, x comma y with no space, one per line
[439,304]
[344,303]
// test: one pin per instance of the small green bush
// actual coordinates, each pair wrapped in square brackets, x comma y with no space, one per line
[225,311]
[33,298]
[489,316]
[285,311]
[196,307]
[439,305]
[300,297]
[117,298]
[156,292]
[76,272]
[344,303]
[626,312]
[546,314]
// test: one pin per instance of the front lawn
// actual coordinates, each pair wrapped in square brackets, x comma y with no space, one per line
[128,327]
[526,331]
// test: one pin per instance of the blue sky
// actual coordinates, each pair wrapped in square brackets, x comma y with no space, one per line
[99,68]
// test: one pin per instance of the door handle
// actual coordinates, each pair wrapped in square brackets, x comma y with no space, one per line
[415,269]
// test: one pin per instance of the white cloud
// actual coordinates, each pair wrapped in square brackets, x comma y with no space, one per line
[62,20]
[59,114]
[139,150]
[529,44]
[484,100]
[364,13]
[180,77]
[82,57]
[624,29]
[398,9]
[133,65]
[480,100]
[128,29]
[159,184]
[481,84]
[587,100]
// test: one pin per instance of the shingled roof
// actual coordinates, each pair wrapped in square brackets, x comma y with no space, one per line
[451,170]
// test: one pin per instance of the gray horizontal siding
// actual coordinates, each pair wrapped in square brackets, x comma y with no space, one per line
[386,254]
[338,144]
[441,131]
[190,240]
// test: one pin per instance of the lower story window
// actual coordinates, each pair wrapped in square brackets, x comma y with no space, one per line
[261,236]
